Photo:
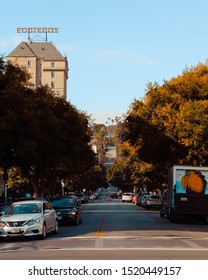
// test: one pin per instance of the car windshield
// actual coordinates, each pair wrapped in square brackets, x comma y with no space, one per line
[26,208]
[62,202]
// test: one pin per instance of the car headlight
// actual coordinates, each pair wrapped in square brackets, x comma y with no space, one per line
[72,213]
[2,224]
[32,222]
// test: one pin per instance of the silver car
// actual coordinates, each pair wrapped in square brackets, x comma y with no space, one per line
[153,201]
[29,218]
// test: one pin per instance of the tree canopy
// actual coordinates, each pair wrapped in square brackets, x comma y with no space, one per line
[169,126]
[41,134]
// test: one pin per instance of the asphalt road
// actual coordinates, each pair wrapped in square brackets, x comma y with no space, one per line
[119,231]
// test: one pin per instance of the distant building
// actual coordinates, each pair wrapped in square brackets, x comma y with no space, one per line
[45,64]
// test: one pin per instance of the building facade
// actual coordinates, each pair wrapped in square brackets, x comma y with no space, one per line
[45,64]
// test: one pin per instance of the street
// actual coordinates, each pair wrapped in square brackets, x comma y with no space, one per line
[115,230]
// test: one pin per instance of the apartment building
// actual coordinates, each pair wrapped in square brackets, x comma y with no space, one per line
[45,64]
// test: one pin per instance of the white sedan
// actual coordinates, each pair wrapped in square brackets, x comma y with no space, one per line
[127,197]
[29,218]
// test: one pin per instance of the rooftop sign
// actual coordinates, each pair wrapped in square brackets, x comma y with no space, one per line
[37,30]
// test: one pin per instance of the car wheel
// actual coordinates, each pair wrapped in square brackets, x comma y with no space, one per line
[162,214]
[77,220]
[55,231]
[80,218]
[43,234]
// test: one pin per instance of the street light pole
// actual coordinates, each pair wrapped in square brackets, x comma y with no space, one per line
[5,179]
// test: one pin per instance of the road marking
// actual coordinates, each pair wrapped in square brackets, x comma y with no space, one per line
[107,249]
[8,246]
[99,243]
[99,234]
[191,244]
[135,237]
[100,228]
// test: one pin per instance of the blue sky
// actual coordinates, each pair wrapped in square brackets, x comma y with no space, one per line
[114,47]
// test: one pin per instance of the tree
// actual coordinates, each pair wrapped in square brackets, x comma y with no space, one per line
[43,136]
[169,125]
[99,134]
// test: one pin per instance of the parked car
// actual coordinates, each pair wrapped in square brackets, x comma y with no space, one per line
[4,207]
[114,195]
[29,218]
[94,196]
[153,201]
[83,198]
[68,209]
[143,198]
[127,197]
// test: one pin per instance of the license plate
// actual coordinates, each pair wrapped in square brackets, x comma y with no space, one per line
[15,230]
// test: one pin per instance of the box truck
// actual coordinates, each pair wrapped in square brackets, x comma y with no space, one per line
[187,194]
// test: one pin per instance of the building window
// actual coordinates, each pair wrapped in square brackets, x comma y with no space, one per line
[53,64]
[52,84]
[52,74]
[29,63]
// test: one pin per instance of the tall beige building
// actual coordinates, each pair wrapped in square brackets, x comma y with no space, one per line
[45,64]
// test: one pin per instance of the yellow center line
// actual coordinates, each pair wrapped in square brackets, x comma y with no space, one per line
[100,228]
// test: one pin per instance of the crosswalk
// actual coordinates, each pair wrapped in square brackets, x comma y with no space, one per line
[100,242]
